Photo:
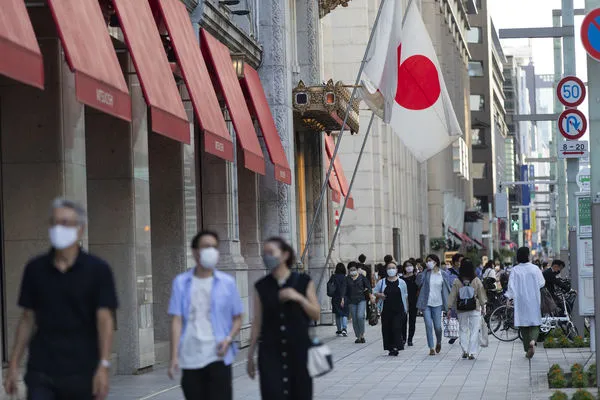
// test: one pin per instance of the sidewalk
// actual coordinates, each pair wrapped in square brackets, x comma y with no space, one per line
[501,371]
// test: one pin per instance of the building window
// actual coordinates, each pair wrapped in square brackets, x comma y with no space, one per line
[477,102]
[477,137]
[474,35]
[479,171]
[475,68]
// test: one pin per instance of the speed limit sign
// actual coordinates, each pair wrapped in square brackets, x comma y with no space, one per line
[571,91]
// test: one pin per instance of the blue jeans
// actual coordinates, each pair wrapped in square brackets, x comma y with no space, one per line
[433,321]
[358,313]
[341,321]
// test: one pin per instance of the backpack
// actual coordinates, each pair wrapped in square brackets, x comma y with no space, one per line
[331,287]
[466,298]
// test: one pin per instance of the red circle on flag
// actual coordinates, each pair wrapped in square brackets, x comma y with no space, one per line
[418,83]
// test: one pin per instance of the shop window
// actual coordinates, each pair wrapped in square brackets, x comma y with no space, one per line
[475,68]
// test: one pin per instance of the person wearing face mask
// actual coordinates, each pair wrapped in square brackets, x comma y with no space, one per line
[206,312]
[392,292]
[432,300]
[285,303]
[68,298]
[358,289]
[552,282]
[409,278]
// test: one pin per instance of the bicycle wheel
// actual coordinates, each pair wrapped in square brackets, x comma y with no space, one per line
[502,324]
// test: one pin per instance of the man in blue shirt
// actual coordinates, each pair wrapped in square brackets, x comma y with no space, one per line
[207,313]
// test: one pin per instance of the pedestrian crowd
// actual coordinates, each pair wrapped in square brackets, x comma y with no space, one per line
[68,298]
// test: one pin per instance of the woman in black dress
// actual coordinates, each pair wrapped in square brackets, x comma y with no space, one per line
[392,292]
[284,304]
[410,277]
[339,302]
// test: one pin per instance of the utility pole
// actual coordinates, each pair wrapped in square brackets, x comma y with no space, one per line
[593,68]
[568,20]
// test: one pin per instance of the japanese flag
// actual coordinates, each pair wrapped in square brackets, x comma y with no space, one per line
[403,77]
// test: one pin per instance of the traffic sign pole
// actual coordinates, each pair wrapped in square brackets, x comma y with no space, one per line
[593,68]
[558,166]
[568,20]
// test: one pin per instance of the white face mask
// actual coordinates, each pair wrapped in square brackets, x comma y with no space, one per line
[62,237]
[353,273]
[209,257]
[430,264]
[392,272]
[410,269]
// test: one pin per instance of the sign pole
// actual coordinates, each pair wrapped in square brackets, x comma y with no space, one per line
[593,68]
[568,20]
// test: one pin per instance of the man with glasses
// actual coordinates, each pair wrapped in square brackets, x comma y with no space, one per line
[70,297]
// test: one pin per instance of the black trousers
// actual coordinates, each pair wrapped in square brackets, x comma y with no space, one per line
[41,386]
[412,321]
[212,382]
[393,325]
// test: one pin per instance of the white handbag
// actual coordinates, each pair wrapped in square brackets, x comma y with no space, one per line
[483,333]
[320,360]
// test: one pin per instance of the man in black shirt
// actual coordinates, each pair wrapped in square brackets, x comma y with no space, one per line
[367,268]
[69,296]
[552,282]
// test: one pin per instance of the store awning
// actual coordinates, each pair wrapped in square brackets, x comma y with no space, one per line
[20,58]
[99,81]
[259,106]
[336,193]
[339,171]
[152,67]
[217,140]
[225,77]
[463,237]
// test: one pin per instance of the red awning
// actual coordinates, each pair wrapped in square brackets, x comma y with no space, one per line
[217,140]
[225,78]
[334,185]
[152,67]
[20,58]
[257,101]
[339,171]
[99,81]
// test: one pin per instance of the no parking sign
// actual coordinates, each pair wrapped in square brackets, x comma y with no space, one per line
[590,33]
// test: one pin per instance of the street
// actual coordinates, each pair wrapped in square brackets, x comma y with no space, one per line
[366,372]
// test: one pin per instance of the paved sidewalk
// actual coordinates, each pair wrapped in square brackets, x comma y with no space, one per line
[501,371]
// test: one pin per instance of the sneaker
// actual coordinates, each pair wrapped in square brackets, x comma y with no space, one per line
[471,357]
[438,347]
[338,333]
[362,340]
[451,341]
[344,333]
[357,341]
[465,355]
[431,352]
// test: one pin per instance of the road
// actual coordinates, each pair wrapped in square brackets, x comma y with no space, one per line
[500,372]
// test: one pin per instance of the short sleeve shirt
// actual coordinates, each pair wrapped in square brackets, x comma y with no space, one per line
[65,306]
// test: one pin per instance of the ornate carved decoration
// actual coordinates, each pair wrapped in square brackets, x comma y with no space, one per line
[327,6]
[323,107]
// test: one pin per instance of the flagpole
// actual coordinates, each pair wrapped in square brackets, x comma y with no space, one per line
[341,134]
[354,173]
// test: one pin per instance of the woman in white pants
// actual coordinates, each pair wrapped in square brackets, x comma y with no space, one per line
[468,298]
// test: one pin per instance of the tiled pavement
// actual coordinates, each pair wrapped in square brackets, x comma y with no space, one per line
[365,372]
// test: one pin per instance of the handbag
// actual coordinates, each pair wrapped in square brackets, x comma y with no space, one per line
[450,328]
[319,360]
[372,313]
[483,333]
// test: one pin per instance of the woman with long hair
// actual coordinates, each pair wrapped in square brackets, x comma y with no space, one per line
[468,298]
[339,302]
[410,278]
[392,292]
[432,300]
[285,303]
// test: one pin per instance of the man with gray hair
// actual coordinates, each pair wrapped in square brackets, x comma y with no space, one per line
[69,297]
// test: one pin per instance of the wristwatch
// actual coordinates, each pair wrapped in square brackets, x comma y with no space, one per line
[105,363]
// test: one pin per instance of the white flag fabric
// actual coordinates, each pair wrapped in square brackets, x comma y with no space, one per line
[403,68]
